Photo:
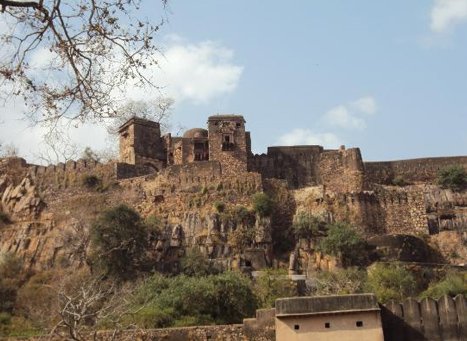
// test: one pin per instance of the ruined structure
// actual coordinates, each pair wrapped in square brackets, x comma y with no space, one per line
[180,179]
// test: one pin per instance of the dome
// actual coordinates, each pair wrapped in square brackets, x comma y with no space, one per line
[196,133]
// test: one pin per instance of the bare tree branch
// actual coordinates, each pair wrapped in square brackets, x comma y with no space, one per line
[74,59]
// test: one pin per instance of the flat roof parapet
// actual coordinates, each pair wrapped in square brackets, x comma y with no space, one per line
[325,304]
[226,117]
[140,121]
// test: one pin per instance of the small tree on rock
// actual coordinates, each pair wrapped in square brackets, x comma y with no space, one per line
[118,241]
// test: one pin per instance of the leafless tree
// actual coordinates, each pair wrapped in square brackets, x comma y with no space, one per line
[71,58]
[157,110]
[8,150]
[90,303]
[58,146]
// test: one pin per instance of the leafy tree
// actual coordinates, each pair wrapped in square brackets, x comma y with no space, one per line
[390,282]
[453,284]
[343,241]
[118,240]
[306,225]
[272,284]
[91,48]
[453,177]
[263,204]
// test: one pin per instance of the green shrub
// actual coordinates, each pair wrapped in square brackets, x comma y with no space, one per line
[91,181]
[219,206]
[453,284]
[306,225]
[399,181]
[182,301]
[262,204]
[240,214]
[195,263]
[453,177]
[118,241]
[343,241]
[272,284]
[390,282]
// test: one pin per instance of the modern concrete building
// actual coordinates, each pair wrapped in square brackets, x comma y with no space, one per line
[328,318]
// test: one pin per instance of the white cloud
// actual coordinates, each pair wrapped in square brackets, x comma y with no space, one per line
[199,72]
[353,114]
[366,105]
[447,13]
[307,137]
[342,117]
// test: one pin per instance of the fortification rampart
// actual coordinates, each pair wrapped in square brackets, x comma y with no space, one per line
[388,210]
[413,171]
[301,166]
[194,176]
[444,319]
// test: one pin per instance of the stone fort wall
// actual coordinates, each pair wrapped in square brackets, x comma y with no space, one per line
[339,170]
[413,171]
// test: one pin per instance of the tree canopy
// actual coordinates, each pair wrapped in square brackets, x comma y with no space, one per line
[72,59]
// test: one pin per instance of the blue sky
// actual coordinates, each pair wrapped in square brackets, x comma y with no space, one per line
[389,78]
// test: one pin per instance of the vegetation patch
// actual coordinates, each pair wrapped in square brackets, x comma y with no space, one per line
[453,177]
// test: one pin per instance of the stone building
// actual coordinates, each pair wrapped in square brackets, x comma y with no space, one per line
[328,318]
[225,141]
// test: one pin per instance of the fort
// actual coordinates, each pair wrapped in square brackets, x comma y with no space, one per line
[200,187]
[179,178]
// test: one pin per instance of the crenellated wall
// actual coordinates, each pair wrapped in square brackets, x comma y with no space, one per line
[430,320]
[388,210]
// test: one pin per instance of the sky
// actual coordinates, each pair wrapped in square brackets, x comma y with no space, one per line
[387,77]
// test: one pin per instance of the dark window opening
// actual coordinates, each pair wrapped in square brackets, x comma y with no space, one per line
[327,325]
[227,142]
[239,125]
[359,323]
[296,327]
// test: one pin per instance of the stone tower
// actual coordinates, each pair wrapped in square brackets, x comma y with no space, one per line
[228,142]
[141,143]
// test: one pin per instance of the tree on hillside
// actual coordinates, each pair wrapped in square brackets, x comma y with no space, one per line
[69,59]
[344,241]
[118,240]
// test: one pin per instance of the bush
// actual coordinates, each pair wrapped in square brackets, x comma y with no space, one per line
[306,225]
[91,181]
[195,263]
[241,215]
[118,241]
[241,238]
[399,181]
[343,241]
[453,177]
[219,206]
[390,282]
[452,285]
[340,282]
[262,204]
[272,284]
[181,301]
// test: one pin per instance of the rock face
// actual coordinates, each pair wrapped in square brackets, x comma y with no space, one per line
[49,209]
[21,201]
